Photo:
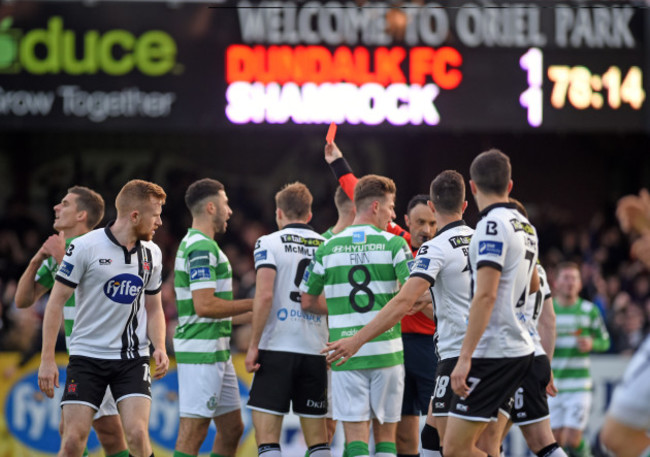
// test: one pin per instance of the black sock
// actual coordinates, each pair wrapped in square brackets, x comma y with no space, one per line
[547,450]
[408,455]
[430,438]
[262,448]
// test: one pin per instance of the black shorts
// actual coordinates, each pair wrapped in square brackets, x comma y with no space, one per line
[288,378]
[420,363]
[492,382]
[531,403]
[441,398]
[87,379]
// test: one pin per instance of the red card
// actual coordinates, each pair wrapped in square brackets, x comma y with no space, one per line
[331,133]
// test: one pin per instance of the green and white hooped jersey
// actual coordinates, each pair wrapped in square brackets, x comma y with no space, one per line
[359,270]
[45,277]
[200,264]
[571,368]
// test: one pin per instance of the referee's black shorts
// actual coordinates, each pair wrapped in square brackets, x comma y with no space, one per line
[420,363]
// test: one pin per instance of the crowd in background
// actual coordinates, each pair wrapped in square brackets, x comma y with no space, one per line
[619,285]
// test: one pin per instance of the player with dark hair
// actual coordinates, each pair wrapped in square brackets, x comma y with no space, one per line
[497,350]
[580,330]
[80,210]
[116,275]
[208,388]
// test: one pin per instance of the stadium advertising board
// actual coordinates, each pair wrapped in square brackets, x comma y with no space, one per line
[463,66]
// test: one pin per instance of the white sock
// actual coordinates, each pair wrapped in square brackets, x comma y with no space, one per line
[320,450]
[269,450]
[429,453]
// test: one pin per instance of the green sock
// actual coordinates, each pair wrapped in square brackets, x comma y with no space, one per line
[212,454]
[124,453]
[357,448]
[345,450]
[182,454]
[85,454]
[385,447]
[581,451]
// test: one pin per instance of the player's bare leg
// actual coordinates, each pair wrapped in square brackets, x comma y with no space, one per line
[78,420]
[384,435]
[538,435]
[490,440]
[315,430]
[110,434]
[134,412]
[407,435]
[624,441]
[461,437]
[229,430]
[191,433]
[357,434]
[331,429]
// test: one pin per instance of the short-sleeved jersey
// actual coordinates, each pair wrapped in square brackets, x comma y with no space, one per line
[571,368]
[45,276]
[443,262]
[200,264]
[289,252]
[530,313]
[505,240]
[110,283]
[360,270]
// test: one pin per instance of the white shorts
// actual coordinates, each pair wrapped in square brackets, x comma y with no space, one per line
[570,409]
[631,400]
[108,406]
[207,390]
[361,395]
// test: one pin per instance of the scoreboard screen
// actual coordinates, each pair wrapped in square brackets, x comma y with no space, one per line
[457,66]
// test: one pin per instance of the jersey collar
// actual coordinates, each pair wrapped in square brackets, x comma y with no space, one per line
[298,225]
[127,254]
[487,209]
[451,225]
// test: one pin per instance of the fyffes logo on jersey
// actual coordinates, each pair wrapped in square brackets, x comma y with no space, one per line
[55,50]
[33,419]
[123,288]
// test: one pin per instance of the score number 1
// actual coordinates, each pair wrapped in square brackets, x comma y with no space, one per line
[531,98]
